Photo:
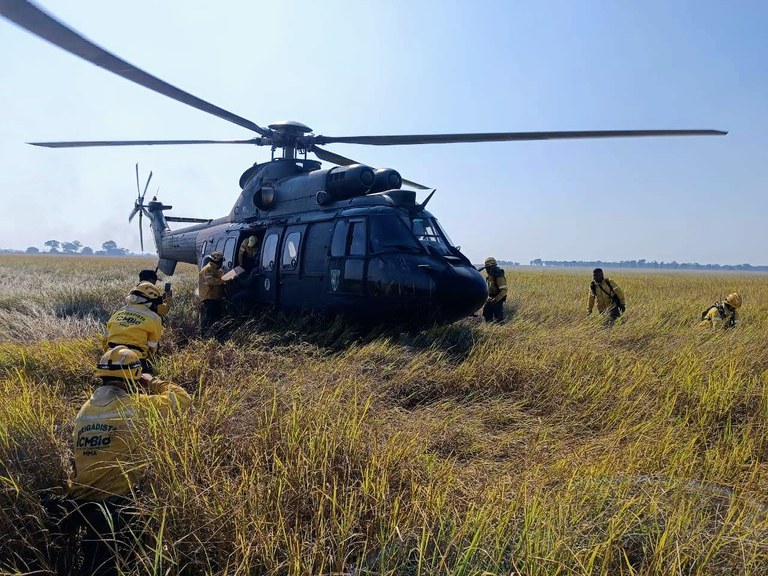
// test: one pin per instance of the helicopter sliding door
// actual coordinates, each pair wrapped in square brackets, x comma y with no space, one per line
[293,292]
[347,264]
[268,288]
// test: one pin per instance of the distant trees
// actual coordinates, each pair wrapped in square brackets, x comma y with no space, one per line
[111,248]
[674,265]
[71,247]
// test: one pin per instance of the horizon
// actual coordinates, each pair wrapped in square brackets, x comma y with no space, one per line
[565,263]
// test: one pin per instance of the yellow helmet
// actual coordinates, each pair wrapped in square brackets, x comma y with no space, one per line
[119,362]
[734,300]
[490,261]
[217,257]
[146,293]
[251,242]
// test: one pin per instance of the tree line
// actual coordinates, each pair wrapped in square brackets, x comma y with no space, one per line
[108,248]
[646,264]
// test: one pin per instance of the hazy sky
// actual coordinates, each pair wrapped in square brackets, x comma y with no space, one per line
[389,67]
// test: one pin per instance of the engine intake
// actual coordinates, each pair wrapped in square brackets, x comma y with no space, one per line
[347,181]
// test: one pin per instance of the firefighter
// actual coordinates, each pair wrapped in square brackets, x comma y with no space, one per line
[247,254]
[722,314]
[149,275]
[105,438]
[211,293]
[493,311]
[608,295]
[138,325]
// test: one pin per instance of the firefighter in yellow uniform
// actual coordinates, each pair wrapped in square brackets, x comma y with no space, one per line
[247,254]
[150,276]
[105,436]
[210,287]
[493,311]
[138,325]
[607,294]
[722,314]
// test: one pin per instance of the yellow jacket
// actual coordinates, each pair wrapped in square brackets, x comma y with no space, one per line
[720,316]
[136,327]
[106,432]
[497,284]
[210,286]
[601,293]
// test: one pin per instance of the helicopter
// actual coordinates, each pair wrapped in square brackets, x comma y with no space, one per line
[347,240]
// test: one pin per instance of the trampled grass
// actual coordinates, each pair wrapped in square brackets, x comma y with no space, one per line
[547,445]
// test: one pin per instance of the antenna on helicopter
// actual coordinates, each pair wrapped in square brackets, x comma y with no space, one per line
[139,206]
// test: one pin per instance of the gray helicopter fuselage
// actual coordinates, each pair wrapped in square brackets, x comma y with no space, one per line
[335,241]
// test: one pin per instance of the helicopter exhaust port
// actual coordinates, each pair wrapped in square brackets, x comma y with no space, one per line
[348,181]
[386,179]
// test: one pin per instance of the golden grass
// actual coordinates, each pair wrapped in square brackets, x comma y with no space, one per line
[548,445]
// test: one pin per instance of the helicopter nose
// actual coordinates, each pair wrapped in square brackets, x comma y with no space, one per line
[461,291]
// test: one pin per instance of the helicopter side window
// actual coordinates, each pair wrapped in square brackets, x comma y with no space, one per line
[357,238]
[339,241]
[269,252]
[229,254]
[291,250]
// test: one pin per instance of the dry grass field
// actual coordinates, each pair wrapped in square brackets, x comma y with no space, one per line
[548,445]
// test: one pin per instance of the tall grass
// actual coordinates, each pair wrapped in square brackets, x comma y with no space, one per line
[547,445]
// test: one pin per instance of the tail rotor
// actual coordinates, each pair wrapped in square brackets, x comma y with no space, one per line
[139,207]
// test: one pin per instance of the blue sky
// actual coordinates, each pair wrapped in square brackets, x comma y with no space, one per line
[350,68]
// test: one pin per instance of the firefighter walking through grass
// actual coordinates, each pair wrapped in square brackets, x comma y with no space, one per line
[493,311]
[107,472]
[608,296]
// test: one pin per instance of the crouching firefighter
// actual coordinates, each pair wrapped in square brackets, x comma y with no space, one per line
[722,314]
[138,325]
[106,436]
[493,311]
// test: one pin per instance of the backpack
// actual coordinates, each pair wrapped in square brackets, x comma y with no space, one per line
[720,310]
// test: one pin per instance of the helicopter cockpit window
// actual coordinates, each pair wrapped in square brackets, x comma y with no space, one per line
[291,250]
[269,253]
[389,233]
[428,233]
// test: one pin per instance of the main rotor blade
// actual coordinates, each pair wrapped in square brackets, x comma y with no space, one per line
[30,17]
[340,160]
[85,144]
[145,187]
[399,140]
[141,230]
